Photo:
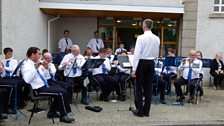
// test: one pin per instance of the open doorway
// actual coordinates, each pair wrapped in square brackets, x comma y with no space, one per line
[128,36]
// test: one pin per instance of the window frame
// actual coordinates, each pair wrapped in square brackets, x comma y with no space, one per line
[219,5]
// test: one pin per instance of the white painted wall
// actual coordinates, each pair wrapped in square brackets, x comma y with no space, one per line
[23,26]
[209,38]
[210,33]
[81,29]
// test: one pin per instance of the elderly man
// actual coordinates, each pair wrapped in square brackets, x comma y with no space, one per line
[191,68]
[71,64]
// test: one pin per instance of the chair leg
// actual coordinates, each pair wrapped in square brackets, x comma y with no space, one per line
[34,107]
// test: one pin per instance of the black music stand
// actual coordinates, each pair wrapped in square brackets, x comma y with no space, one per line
[90,64]
[125,63]
[15,108]
[169,61]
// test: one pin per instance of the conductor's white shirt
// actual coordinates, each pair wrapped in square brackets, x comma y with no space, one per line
[147,47]
[94,45]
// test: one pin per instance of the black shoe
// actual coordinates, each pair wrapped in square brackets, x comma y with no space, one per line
[54,114]
[146,114]
[162,101]
[66,119]
[123,98]
[136,113]
[3,117]
[84,101]
[180,99]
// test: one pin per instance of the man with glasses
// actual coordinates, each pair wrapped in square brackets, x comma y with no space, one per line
[191,68]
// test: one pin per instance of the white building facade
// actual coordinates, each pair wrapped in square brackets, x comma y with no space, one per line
[180,24]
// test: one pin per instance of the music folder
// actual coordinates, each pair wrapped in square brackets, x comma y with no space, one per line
[124,61]
[93,63]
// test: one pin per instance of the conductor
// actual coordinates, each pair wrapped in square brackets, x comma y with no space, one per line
[146,51]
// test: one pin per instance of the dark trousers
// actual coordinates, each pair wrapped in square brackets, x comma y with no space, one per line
[21,89]
[61,102]
[107,83]
[161,87]
[78,84]
[120,85]
[181,81]
[168,80]
[143,87]
[217,78]
[4,99]
[64,85]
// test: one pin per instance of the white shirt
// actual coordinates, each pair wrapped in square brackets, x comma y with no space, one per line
[123,70]
[96,71]
[111,58]
[147,47]
[158,67]
[196,69]
[68,70]
[63,45]
[94,45]
[47,72]
[119,50]
[30,75]
[170,69]
[12,65]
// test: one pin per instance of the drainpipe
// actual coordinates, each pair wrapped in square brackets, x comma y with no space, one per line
[49,31]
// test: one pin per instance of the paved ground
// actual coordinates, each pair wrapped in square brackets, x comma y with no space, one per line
[210,111]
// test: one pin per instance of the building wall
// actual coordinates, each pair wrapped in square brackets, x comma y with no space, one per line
[189,27]
[210,34]
[23,26]
[210,38]
[81,29]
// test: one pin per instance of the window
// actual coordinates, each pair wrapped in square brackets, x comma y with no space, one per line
[218,6]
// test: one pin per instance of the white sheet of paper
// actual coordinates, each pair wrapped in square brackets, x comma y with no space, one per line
[131,59]
[127,64]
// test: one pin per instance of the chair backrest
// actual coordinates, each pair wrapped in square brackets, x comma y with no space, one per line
[206,62]
[17,68]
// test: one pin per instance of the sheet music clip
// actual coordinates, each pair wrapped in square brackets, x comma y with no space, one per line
[124,61]
[92,63]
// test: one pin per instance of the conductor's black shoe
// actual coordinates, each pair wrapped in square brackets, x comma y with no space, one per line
[180,99]
[136,113]
[146,115]
[51,114]
[66,119]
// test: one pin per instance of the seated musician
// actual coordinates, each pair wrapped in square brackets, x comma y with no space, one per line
[110,55]
[169,72]
[32,76]
[101,75]
[10,65]
[71,64]
[161,81]
[48,71]
[122,74]
[217,70]
[120,49]
[191,68]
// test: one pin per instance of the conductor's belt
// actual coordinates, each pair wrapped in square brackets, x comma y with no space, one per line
[149,58]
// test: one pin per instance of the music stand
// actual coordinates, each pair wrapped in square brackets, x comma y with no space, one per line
[90,64]
[18,112]
[169,61]
[125,63]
